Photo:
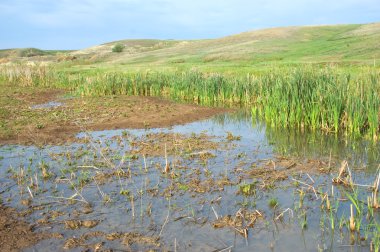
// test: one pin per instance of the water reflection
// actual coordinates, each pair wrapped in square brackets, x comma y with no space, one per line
[360,153]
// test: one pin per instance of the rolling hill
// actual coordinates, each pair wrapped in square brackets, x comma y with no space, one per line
[351,44]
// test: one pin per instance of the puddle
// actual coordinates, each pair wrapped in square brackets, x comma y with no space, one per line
[48,105]
[207,200]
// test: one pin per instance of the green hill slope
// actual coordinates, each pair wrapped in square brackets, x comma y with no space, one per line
[342,44]
[333,43]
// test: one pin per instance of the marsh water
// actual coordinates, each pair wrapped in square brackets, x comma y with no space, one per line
[48,105]
[206,202]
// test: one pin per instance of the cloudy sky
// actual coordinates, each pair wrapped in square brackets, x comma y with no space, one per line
[75,24]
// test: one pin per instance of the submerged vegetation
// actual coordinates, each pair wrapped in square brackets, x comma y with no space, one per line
[328,99]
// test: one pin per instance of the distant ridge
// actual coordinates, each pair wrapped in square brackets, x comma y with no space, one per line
[321,43]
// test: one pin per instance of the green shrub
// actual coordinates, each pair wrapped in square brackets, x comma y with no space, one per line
[118,48]
[30,52]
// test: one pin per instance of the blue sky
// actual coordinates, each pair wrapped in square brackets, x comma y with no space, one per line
[75,24]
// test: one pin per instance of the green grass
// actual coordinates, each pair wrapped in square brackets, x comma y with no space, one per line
[329,99]
[273,202]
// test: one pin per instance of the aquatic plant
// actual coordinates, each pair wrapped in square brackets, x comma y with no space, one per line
[273,202]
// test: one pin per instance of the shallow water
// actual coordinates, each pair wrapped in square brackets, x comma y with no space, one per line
[48,105]
[171,207]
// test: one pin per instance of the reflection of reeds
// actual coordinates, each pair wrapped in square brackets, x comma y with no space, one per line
[328,204]
[352,219]
[167,167]
[376,184]
[132,205]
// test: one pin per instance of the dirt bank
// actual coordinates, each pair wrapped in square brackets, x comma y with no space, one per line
[15,234]
[23,123]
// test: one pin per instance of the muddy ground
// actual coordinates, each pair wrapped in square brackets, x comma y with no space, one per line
[15,234]
[24,121]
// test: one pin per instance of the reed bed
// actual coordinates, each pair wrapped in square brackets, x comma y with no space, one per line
[321,99]
[316,98]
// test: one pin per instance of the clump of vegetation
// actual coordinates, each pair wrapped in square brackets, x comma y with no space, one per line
[30,52]
[118,48]
[248,189]
[273,202]
[231,137]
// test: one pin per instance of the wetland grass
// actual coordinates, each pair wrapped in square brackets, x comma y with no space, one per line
[305,97]
[273,202]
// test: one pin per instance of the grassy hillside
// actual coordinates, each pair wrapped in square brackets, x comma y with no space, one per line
[344,44]
[31,54]
[331,44]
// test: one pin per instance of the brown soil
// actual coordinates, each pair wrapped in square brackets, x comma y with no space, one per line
[128,239]
[271,171]
[16,234]
[59,125]
[156,143]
